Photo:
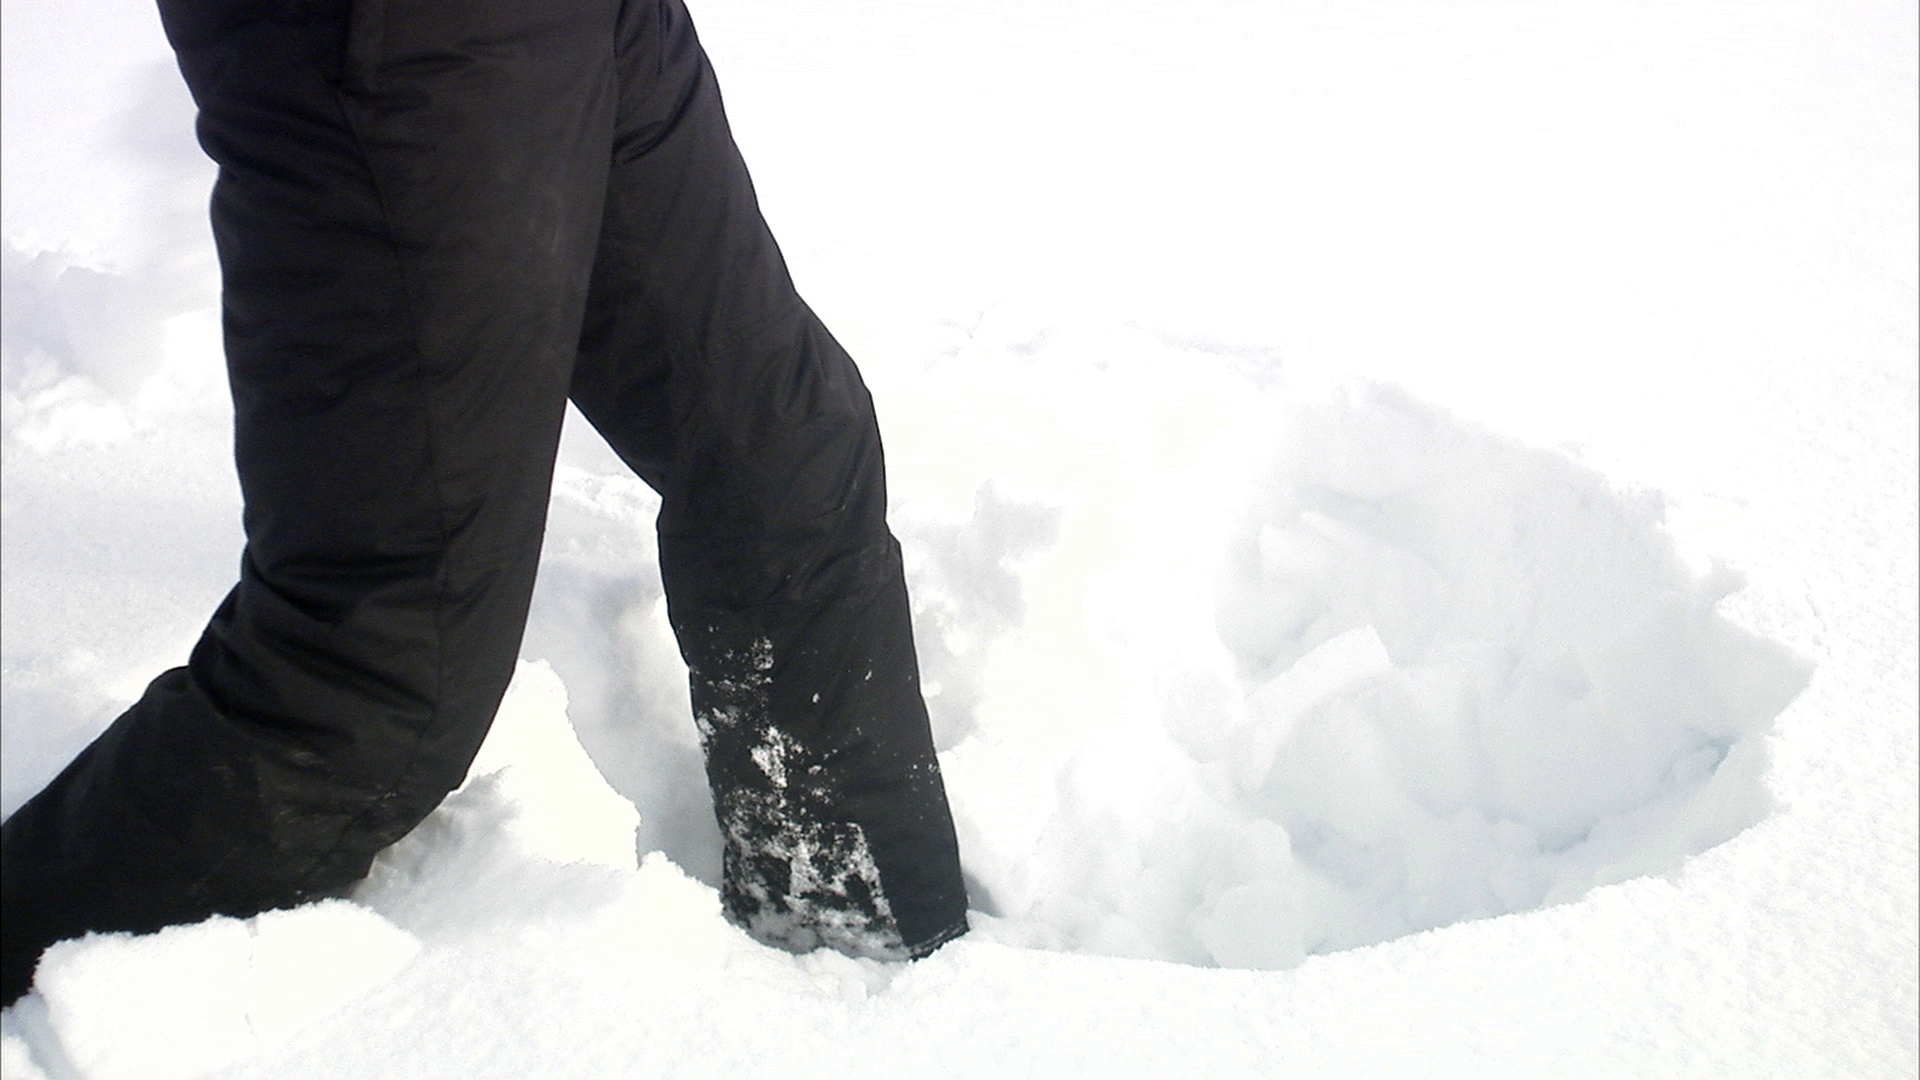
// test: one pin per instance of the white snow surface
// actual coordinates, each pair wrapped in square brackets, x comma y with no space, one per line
[1411,511]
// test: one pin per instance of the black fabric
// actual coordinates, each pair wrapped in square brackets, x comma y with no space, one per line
[436,223]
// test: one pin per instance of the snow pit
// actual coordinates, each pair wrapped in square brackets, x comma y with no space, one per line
[1328,669]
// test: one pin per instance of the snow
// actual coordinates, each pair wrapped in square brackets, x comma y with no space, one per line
[1411,511]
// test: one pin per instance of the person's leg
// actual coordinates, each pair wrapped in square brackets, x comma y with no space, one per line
[406,212]
[711,378]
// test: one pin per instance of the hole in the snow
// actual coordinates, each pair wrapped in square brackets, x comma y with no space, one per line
[1343,673]
[1432,676]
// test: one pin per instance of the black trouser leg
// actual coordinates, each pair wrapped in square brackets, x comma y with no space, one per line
[406,214]
[707,373]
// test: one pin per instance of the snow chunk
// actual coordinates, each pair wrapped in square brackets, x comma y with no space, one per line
[190,999]
[534,838]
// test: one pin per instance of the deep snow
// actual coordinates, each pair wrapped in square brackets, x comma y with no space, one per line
[1420,499]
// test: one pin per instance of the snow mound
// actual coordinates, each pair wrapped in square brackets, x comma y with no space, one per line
[1352,669]
[533,838]
[191,999]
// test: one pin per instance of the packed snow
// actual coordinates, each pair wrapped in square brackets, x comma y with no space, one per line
[1411,513]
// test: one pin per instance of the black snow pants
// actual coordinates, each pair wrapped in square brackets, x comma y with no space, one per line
[437,222]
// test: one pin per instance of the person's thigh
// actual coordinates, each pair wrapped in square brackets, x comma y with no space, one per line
[406,234]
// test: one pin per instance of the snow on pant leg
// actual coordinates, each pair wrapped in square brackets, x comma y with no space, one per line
[406,213]
[712,379]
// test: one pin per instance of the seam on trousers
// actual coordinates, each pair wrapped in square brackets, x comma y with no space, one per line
[408,294]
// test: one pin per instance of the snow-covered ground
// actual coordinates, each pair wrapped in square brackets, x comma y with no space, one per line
[1411,511]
